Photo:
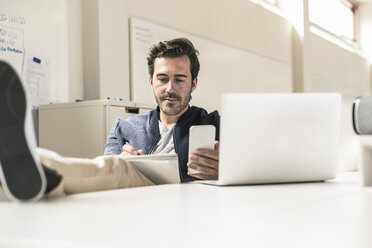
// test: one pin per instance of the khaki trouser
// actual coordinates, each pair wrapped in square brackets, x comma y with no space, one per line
[86,175]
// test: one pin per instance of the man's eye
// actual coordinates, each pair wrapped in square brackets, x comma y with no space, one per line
[163,79]
[180,80]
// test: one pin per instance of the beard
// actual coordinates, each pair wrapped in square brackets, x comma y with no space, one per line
[173,108]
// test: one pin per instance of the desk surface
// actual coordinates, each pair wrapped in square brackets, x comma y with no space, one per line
[337,213]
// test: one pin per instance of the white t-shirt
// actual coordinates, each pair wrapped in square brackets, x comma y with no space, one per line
[165,144]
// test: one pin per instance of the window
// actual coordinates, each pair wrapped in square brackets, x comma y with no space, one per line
[271,5]
[335,16]
[273,2]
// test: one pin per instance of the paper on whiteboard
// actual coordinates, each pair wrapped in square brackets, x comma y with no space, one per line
[37,75]
[11,47]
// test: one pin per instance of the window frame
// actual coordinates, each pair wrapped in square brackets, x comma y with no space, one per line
[352,6]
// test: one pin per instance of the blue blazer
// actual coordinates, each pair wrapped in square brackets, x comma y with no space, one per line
[142,132]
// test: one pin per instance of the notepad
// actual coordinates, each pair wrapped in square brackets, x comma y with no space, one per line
[158,168]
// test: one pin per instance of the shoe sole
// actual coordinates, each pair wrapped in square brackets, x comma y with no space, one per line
[21,174]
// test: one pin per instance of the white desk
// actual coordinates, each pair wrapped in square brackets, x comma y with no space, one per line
[333,214]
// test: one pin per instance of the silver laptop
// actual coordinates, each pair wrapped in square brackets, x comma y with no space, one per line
[276,138]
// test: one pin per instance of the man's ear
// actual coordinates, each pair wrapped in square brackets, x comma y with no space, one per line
[194,84]
[150,80]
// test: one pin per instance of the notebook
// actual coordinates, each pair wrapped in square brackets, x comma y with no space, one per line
[277,138]
[158,168]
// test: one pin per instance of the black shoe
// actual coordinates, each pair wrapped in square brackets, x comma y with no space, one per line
[21,174]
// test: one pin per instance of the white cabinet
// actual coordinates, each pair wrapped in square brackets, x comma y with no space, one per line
[80,129]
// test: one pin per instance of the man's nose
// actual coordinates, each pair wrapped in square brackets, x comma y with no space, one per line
[170,87]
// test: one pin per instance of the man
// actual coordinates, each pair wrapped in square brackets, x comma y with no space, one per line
[173,67]
[27,175]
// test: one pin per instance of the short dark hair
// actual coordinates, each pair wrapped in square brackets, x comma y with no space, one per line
[172,49]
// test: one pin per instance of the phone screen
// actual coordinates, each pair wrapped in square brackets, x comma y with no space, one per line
[201,136]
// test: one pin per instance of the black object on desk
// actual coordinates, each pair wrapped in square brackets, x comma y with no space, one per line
[362,115]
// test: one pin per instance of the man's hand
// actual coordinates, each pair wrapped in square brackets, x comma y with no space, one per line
[206,162]
[130,150]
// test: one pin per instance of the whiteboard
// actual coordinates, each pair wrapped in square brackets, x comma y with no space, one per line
[223,69]
[33,39]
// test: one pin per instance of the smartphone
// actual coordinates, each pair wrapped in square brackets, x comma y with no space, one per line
[201,136]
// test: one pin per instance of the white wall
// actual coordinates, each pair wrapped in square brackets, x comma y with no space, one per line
[113,48]
[332,61]
[91,69]
[237,23]
[75,50]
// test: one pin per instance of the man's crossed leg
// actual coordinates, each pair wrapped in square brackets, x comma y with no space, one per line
[27,176]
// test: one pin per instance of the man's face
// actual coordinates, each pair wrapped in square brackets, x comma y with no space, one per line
[172,84]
